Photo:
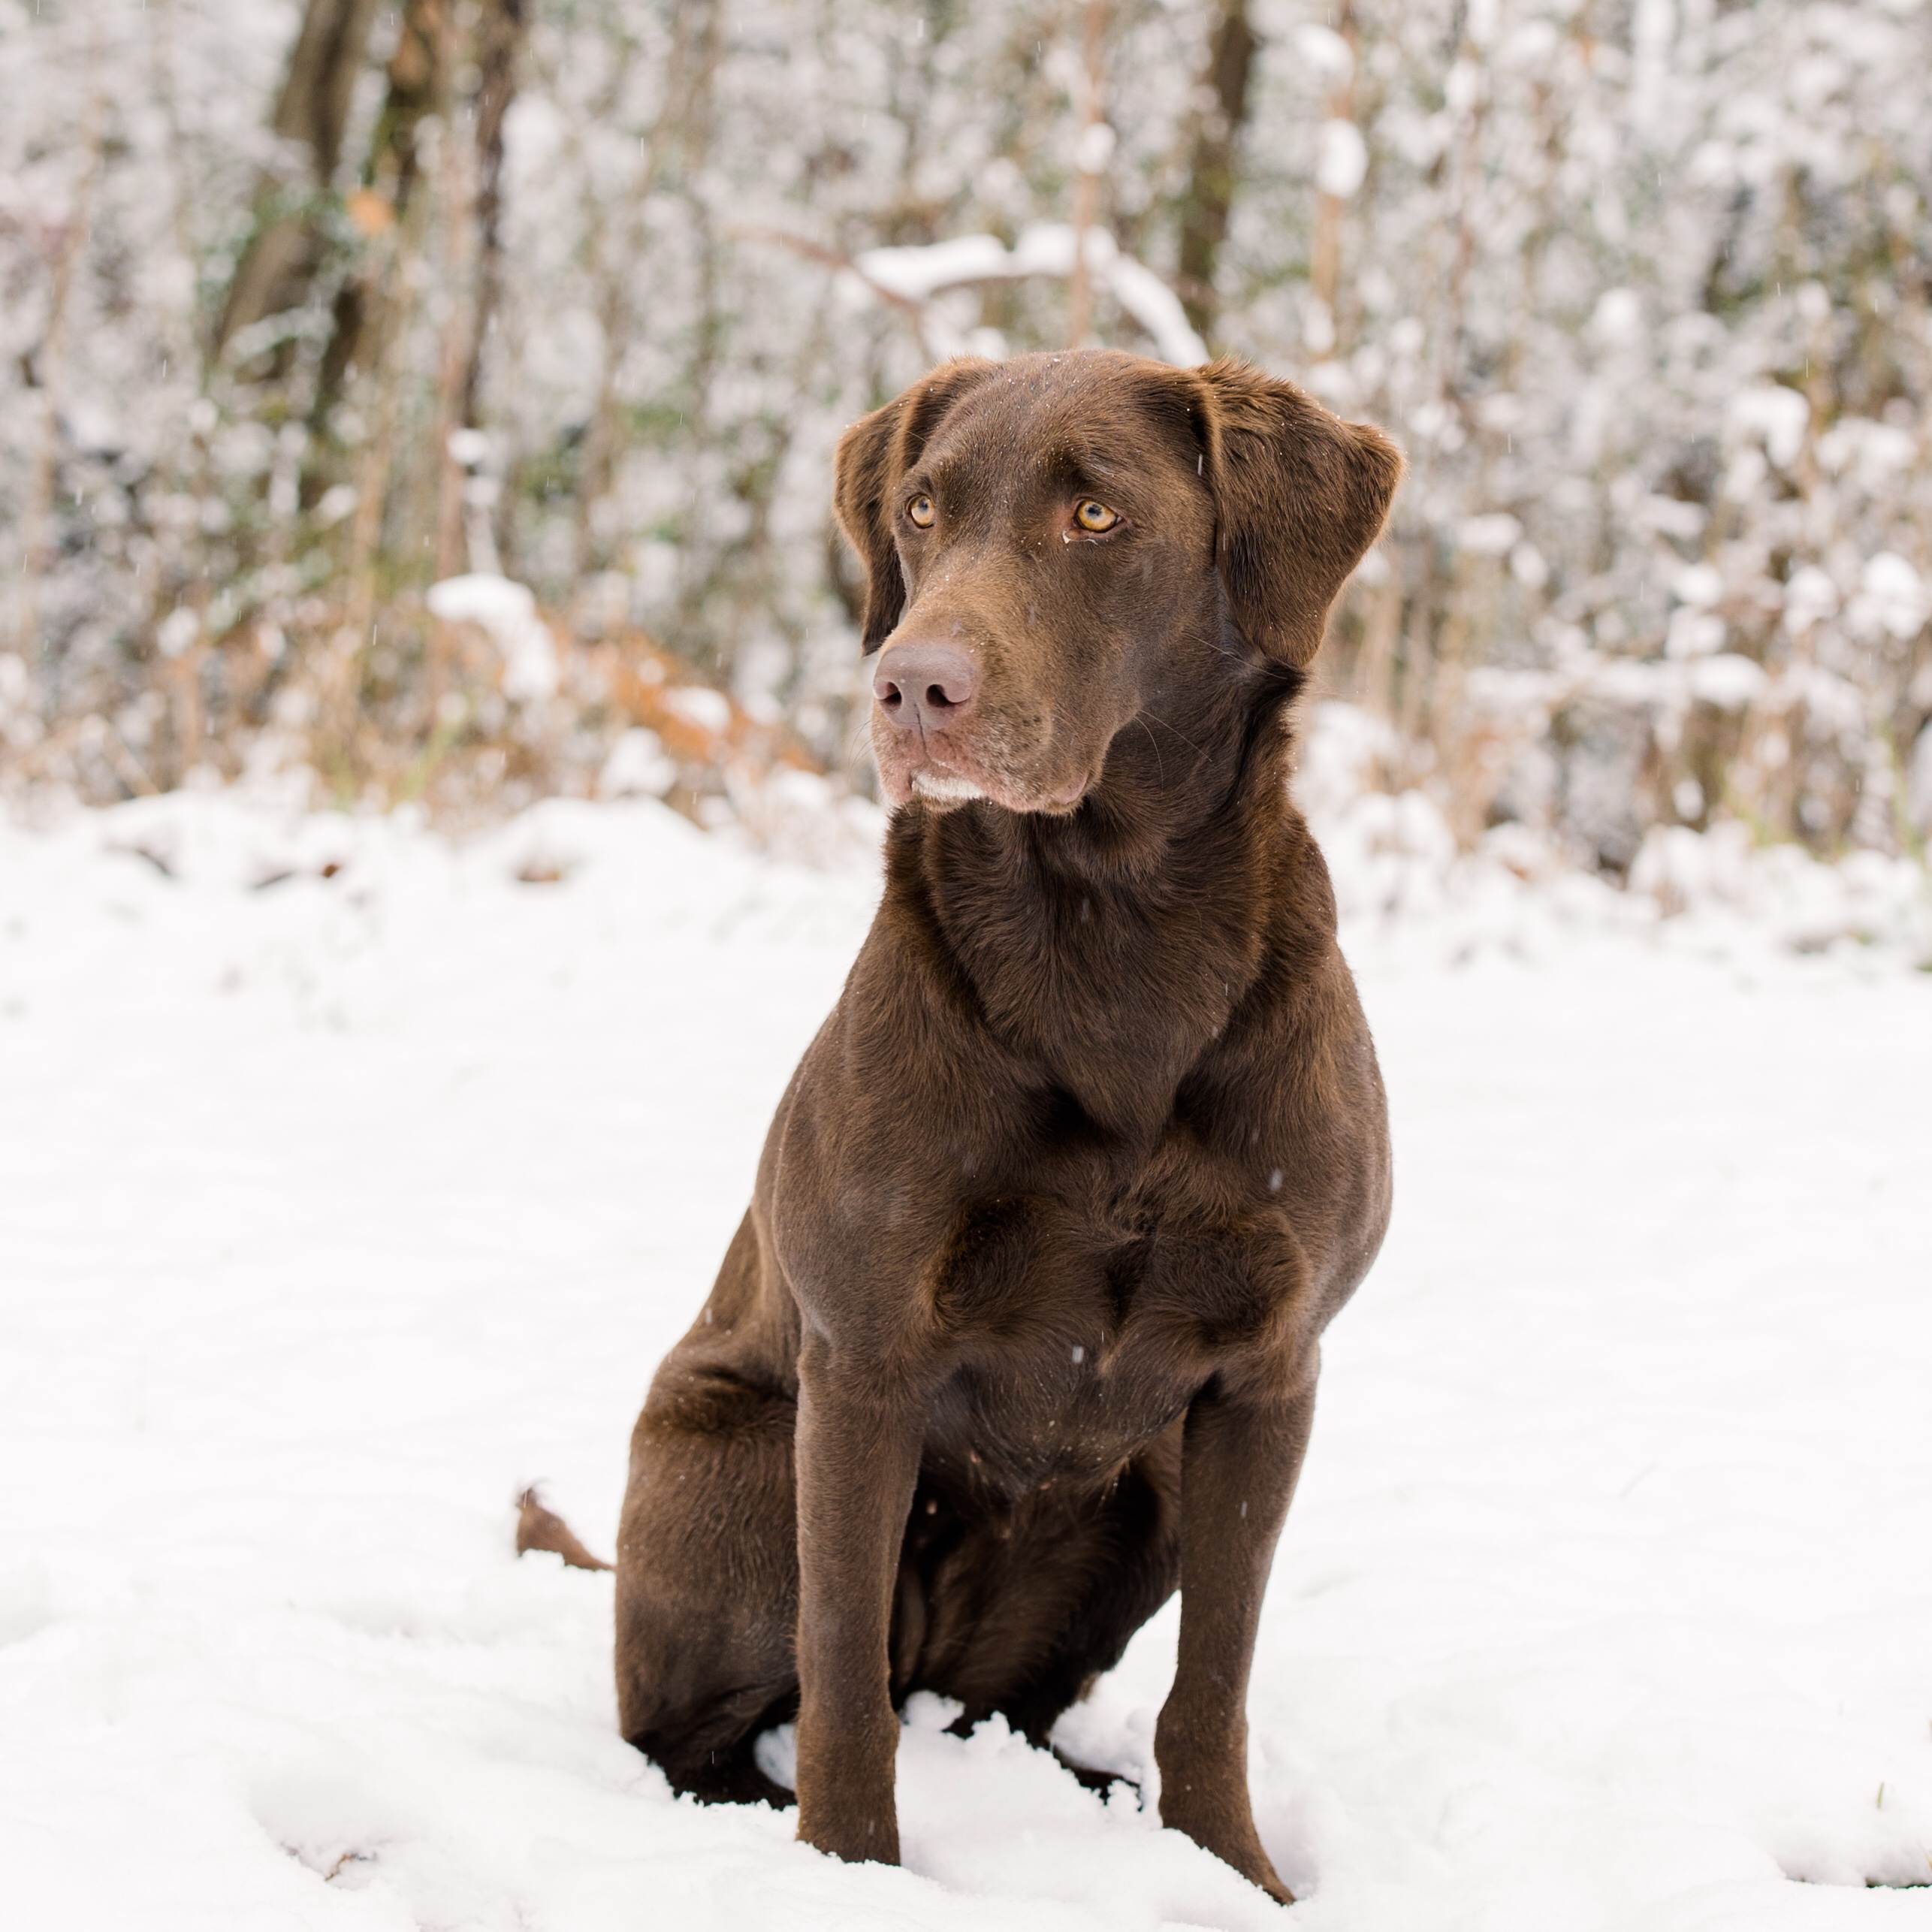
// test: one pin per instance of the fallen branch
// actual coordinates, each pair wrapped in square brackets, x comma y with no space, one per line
[540,1529]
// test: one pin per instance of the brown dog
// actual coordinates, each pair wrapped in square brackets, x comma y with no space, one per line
[1022,1329]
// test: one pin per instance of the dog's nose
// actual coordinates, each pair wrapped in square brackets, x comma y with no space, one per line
[927,685]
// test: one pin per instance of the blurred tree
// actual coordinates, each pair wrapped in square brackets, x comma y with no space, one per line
[278,265]
[1642,289]
[1213,168]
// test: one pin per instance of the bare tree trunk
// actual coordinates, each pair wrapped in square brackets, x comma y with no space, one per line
[500,38]
[1089,163]
[684,128]
[1381,625]
[1212,178]
[50,366]
[373,314]
[315,100]
[1464,185]
[419,85]
[278,264]
[1325,266]
[458,196]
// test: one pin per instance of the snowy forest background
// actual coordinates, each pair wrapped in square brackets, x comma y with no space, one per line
[310,307]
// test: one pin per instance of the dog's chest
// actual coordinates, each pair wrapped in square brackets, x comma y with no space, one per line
[1021,1419]
[1077,1339]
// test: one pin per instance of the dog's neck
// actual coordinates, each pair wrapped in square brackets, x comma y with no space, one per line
[1113,945]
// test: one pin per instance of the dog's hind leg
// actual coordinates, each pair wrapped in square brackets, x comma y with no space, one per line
[707,1588]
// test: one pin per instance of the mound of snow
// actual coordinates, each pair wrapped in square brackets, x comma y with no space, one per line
[506,613]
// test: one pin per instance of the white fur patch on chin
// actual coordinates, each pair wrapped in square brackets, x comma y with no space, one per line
[946,785]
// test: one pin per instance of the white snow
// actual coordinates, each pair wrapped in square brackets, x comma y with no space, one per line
[1343,162]
[337,1207]
[1894,597]
[1779,416]
[506,613]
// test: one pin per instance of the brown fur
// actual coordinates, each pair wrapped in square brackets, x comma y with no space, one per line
[1021,1331]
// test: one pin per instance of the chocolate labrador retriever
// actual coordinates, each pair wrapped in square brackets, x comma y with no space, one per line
[1022,1329]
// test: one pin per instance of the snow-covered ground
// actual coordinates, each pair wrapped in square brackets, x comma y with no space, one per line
[333,1210]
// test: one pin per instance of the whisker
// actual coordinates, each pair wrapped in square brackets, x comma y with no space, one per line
[1181,735]
[1159,765]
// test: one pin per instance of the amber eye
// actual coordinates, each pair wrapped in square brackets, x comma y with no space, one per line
[1093,518]
[919,513]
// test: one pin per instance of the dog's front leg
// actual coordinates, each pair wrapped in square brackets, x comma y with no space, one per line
[1239,1461]
[857,1449]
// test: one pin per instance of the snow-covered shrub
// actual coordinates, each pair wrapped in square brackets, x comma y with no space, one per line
[1399,872]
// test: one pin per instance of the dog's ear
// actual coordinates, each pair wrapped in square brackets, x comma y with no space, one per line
[866,465]
[1299,496]
[873,455]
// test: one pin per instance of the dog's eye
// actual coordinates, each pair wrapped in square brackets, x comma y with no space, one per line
[919,513]
[1093,518]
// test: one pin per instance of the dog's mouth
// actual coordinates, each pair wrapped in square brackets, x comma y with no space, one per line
[935,782]
[930,767]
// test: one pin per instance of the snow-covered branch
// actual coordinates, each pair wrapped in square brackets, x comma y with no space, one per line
[1049,249]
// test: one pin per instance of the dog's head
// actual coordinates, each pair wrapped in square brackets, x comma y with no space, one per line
[1052,541]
